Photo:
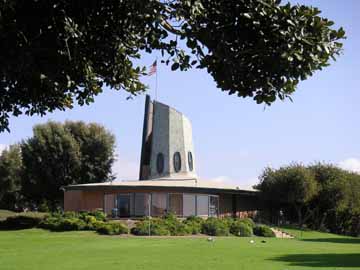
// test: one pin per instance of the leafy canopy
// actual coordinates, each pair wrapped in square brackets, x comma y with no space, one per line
[64,154]
[55,53]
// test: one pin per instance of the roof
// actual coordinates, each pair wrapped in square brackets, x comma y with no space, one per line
[189,184]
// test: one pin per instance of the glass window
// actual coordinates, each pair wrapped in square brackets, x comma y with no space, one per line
[202,203]
[160,163]
[177,162]
[190,161]
[142,201]
[176,204]
[158,204]
[189,204]
[124,205]
[213,206]
[109,200]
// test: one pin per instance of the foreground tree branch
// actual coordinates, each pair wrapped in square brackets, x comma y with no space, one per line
[57,53]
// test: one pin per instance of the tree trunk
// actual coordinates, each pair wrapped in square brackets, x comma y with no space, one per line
[299,214]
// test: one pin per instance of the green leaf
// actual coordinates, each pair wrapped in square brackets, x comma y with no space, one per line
[175,66]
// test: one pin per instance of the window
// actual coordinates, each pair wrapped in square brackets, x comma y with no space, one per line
[124,205]
[176,204]
[213,206]
[189,204]
[190,161]
[160,163]
[158,204]
[202,205]
[177,162]
[142,201]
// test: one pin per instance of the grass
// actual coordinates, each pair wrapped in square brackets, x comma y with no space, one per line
[38,249]
[6,213]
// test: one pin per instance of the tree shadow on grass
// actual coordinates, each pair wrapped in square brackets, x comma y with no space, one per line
[321,260]
[340,240]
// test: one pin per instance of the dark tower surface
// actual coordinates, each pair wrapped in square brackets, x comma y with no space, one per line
[167,151]
[146,140]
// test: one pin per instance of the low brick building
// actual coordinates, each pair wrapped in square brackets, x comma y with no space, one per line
[167,181]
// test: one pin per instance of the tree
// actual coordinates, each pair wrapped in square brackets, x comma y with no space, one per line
[292,185]
[10,177]
[97,151]
[55,53]
[64,154]
[332,183]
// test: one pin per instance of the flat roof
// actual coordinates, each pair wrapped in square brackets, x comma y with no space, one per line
[192,184]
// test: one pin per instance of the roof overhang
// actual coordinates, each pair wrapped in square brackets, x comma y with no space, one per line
[186,186]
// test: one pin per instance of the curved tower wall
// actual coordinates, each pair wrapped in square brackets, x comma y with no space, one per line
[170,133]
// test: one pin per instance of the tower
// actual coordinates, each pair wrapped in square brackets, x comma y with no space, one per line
[167,147]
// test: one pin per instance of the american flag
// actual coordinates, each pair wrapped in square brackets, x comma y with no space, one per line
[152,68]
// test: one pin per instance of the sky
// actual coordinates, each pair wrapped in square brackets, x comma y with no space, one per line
[234,138]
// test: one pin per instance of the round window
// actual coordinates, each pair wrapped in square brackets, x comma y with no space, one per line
[190,161]
[160,163]
[177,162]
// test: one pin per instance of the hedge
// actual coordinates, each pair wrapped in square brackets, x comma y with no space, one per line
[241,228]
[263,230]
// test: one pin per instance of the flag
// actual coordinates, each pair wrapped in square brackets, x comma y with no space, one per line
[152,69]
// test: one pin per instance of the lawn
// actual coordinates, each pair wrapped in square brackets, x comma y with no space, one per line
[6,213]
[38,249]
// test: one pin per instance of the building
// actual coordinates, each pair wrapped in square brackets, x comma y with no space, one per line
[167,178]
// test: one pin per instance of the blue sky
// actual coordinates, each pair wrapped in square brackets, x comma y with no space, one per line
[235,138]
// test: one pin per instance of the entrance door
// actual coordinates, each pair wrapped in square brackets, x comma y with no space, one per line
[123,204]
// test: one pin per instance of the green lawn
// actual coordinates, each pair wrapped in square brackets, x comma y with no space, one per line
[38,249]
[6,213]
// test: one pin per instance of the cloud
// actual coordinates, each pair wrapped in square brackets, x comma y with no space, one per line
[350,164]
[3,147]
[221,180]
[225,180]
[125,169]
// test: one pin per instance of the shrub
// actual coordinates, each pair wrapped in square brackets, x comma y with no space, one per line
[50,223]
[69,214]
[249,222]
[63,224]
[215,227]
[72,224]
[20,222]
[263,230]
[99,215]
[174,225]
[194,224]
[156,226]
[241,228]
[111,228]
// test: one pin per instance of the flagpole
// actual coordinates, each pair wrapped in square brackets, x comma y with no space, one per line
[156,79]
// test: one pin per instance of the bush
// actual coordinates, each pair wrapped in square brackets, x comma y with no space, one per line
[249,222]
[20,222]
[171,223]
[155,225]
[72,224]
[50,223]
[111,228]
[215,227]
[63,224]
[263,230]
[194,224]
[241,228]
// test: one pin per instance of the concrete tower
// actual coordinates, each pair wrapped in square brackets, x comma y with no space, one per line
[167,148]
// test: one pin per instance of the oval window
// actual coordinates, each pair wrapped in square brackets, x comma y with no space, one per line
[177,162]
[160,163]
[190,161]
